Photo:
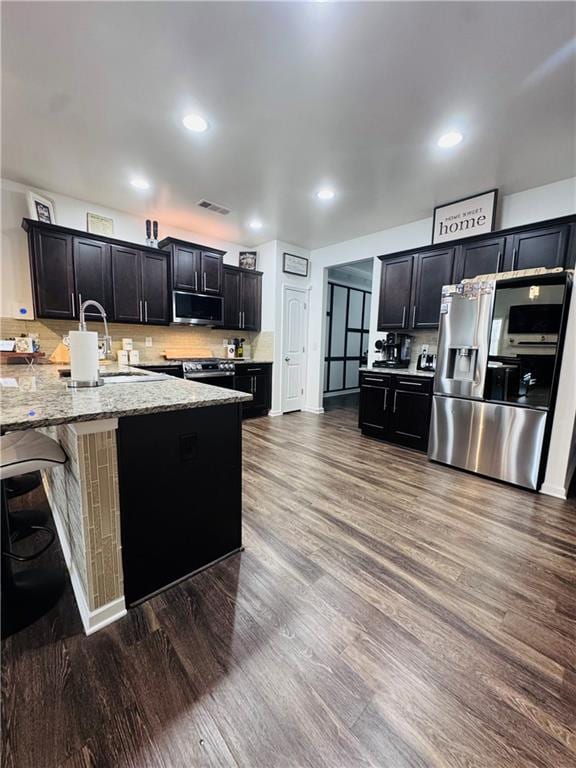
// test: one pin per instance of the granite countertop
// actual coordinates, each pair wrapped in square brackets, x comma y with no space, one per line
[35,396]
[163,361]
[399,371]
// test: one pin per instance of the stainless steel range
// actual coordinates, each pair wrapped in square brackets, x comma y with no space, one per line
[218,373]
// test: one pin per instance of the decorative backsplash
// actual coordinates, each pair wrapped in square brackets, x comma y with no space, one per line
[50,334]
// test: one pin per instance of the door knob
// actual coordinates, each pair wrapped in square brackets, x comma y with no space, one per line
[287,359]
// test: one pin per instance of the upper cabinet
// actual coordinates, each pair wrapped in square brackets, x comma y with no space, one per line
[194,268]
[538,248]
[52,269]
[479,258]
[155,297]
[69,267]
[93,274]
[242,299]
[395,293]
[432,270]
[411,282]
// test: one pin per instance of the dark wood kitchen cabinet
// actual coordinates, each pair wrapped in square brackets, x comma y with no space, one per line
[395,293]
[256,380]
[396,408]
[140,281]
[538,248]
[374,397]
[68,267]
[127,284]
[155,297]
[242,299]
[479,258]
[195,268]
[52,270]
[411,282]
[410,416]
[431,271]
[93,275]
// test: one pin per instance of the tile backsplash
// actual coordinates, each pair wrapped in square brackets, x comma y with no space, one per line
[205,340]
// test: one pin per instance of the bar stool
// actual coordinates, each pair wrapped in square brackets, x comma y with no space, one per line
[29,593]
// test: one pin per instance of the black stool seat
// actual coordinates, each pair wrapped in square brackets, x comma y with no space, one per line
[19,486]
[29,593]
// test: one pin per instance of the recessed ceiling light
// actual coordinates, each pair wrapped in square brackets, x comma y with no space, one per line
[325,194]
[450,139]
[195,123]
[255,224]
[140,183]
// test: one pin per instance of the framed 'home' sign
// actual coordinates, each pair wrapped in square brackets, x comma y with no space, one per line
[474,215]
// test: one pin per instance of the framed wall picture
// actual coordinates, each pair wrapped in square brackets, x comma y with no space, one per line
[41,208]
[247,259]
[99,225]
[475,215]
[295,265]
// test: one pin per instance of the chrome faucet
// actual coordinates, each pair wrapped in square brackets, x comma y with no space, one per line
[107,339]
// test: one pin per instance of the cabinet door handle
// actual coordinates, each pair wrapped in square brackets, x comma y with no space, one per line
[403,315]
[254,369]
[140,310]
[195,281]
[414,316]
[79,302]
[385,398]
[253,384]
[395,396]
[365,378]
[514,258]
[73,303]
[146,311]
[411,383]
[498,261]
[204,282]
[243,321]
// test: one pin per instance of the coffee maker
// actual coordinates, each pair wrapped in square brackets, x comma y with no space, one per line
[394,351]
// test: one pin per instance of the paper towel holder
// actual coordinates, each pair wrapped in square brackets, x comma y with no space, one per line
[98,381]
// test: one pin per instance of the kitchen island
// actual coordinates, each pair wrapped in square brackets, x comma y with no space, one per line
[151,491]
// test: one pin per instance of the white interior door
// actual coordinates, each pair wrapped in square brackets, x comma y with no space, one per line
[293,349]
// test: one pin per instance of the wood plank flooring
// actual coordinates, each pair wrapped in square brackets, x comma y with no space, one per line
[387,612]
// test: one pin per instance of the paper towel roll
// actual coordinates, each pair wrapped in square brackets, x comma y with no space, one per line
[83,355]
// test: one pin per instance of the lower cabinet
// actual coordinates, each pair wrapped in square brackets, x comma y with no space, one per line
[256,380]
[180,484]
[396,408]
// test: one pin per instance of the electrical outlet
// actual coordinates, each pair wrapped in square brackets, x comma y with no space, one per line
[148,341]
[424,349]
[23,311]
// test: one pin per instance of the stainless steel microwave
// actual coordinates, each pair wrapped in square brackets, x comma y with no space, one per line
[197,308]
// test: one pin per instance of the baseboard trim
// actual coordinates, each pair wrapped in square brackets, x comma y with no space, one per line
[310,409]
[274,413]
[549,489]
[92,620]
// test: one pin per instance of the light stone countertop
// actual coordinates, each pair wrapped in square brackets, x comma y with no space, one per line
[237,360]
[35,396]
[399,371]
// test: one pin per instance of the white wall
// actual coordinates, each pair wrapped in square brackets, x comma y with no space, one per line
[15,271]
[533,205]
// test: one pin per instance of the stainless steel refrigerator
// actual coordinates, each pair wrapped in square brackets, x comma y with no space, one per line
[499,352]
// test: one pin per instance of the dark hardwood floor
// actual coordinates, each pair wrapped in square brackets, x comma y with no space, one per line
[387,612]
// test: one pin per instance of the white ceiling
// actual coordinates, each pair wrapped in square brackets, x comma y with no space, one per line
[298,95]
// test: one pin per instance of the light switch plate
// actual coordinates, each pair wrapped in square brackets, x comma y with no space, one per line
[148,341]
